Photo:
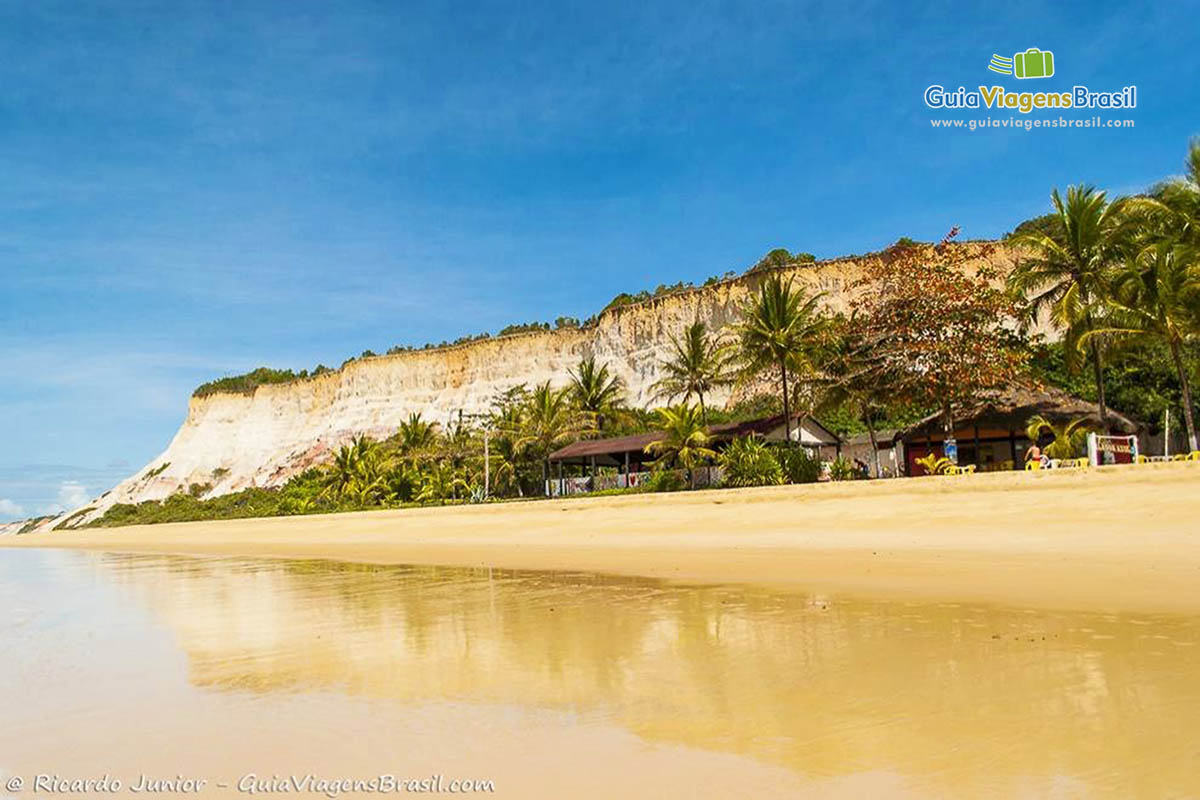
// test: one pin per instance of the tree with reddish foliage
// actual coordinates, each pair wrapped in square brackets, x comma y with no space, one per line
[940,329]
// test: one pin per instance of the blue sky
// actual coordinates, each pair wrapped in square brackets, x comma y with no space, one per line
[195,189]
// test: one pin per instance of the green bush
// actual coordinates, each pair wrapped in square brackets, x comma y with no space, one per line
[797,465]
[842,469]
[748,462]
[246,384]
[664,480]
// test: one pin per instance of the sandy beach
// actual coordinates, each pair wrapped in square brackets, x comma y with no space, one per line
[1118,538]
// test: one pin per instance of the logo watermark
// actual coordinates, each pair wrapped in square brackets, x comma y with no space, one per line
[1032,63]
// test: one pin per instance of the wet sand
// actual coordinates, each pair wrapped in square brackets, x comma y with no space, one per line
[1117,538]
[578,685]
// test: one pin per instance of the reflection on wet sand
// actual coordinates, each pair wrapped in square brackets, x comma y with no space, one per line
[954,698]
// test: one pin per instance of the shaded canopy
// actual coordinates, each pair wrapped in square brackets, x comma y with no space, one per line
[609,452]
[1011,409]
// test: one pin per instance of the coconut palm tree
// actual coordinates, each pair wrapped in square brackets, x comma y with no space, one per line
[1069,435]
[548,421]
[1157,296]
[781,329]
[507,453]
[1177,202]
[699,363]
[1067,273]
[684,440]
[596,391]
[441,482]
[417,436]
[358,471]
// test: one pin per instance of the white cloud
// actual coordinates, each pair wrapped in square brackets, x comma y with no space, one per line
[10,509]
[71,495]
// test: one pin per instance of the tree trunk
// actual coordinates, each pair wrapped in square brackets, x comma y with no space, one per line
[703,410]
[948,430]
[1099,369]
[787,417]
[1187,395]
[1097,363]
[874,445]
[546,476]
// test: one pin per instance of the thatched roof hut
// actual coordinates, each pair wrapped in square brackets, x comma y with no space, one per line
[1011,409]
[991,432]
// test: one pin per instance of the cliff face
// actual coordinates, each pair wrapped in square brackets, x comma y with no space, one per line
[238,440]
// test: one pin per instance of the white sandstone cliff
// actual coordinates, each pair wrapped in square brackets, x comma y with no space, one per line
[261,439]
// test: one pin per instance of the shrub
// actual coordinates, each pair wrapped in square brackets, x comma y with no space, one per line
[748,462]
[246,384]
[798,465]
[527,327]
[664,480]
[159,470]
[842,469]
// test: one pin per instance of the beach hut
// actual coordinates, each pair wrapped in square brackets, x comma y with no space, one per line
[991,433]
[857,448]
[621,462]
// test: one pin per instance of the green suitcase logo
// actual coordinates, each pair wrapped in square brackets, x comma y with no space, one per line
[1033,63]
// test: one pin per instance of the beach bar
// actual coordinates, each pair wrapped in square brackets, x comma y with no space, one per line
[622,462]
[991,433]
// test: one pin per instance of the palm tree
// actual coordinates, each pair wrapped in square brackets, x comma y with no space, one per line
[1178,201]
[507,420]
[1069,435]
[417,435]
[597,392]
[780,329]
[459,444]
[358,471]
[1068,271]
[1157,296]
[548,421]
[698,364]
[441,482]
[684,439]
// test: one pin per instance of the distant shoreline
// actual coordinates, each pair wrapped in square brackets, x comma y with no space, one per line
[1116,538]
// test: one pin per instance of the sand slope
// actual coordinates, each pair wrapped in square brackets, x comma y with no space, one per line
[1121,538]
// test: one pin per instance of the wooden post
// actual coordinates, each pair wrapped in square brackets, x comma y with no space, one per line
[978,461]
[1012,447]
